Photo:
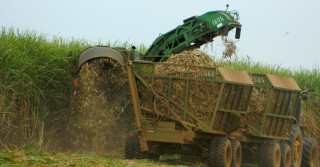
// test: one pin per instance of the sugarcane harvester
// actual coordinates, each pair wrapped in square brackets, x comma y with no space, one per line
[168,122]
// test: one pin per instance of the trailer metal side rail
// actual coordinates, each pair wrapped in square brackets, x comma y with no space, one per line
[280,107]
[219,76]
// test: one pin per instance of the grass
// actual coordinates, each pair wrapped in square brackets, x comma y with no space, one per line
[72,160]
[24,158]
[35,81]
[34,78]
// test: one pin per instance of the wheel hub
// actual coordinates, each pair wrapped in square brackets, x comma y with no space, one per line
[296,150]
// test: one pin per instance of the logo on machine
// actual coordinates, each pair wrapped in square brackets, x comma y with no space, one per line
[209,74]
[217,21]
[258,79]
[147,68]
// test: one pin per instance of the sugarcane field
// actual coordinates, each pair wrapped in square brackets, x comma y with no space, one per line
[191,96]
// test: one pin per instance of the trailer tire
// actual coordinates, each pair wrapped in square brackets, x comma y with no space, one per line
[270,154]
[236,153]
[296,145]
[132,148]
[220,152]
[286,156]
[310,153]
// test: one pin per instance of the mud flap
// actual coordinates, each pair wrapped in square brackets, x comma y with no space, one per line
[143,144]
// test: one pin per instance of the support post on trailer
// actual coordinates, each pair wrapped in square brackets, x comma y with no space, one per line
[135,103]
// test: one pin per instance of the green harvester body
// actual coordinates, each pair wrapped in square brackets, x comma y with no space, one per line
[195,31]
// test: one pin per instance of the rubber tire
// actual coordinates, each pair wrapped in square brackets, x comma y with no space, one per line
[286,155]
[220,152]
[270,154]
[236,153]
[310,150]
[295,134]
[132,149]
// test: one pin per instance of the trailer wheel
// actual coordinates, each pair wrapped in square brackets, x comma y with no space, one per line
[286,156]
[220,152]
[270,154]
[296,145]
[132,148]
[236,153]
[310,153]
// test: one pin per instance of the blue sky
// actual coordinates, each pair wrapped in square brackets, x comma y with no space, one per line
[275,31]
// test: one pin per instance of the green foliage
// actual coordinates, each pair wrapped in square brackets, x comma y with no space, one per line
[7,157]
[35,79]
[140,48]
[30,149]
[21,159]
[34,75]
